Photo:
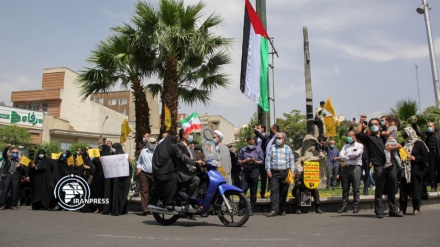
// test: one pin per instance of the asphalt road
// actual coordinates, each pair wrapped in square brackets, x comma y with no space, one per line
[25,227]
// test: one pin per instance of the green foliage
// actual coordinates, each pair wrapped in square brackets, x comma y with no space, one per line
[294,124]
[246,131]
[77,145]
[49,147]
[432,114]
[405,110]
[14,135]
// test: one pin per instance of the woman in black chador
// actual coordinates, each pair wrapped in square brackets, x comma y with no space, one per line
[116,189]
[98,184]
[41,172]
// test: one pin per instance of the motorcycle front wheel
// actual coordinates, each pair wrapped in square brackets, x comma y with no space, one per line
[236,215]
[163,219]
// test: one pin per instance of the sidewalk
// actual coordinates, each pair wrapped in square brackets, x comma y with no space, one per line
[328,204]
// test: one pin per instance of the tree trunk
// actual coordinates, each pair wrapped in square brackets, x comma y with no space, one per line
[142,113]
[170,95]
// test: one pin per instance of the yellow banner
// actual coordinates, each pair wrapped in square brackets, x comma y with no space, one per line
[167,119]
[94,152]
[330,127]
[403,154]
[70,160]
[125,131]
[79,160]
[56,156]
[25,161]
[311,174]
[329,107]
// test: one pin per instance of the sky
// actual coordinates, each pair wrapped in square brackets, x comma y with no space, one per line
[363,53]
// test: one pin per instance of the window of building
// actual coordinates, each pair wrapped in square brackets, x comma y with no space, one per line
[100,101]
[123,101]
[35,107]
[112,102]
[65,146]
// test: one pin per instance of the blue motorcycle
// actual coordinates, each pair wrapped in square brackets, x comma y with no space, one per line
[227,201]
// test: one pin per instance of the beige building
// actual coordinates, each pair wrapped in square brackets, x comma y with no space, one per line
[66,117]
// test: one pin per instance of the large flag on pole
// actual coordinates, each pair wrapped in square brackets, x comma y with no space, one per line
[330,127]
[329,107]
[191,123]
[167,119]
[254,59]
[125,131]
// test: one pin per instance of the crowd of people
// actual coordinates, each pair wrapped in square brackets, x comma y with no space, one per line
[34,184]
[175,162]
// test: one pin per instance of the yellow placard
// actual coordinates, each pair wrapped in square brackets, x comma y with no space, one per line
[79,160]
[70,160]
[25,161]
[311,174]
[94,152]
[56,156]
[403,154]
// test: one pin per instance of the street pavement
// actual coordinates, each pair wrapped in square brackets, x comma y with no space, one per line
[25,227]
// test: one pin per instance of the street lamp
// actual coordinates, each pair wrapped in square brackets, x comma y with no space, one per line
[424,10]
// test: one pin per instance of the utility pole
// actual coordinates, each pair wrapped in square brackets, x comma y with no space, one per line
[308,79]
[418,90]
[263,117]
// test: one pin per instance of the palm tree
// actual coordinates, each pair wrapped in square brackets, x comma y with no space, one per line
[406,110]
[432,114]
[189,57]
[117,62]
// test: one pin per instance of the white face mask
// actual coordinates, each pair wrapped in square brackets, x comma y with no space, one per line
[144,140]
[279,142]
[41,156]
[251,146]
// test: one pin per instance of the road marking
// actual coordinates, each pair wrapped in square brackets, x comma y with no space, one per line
[198,239]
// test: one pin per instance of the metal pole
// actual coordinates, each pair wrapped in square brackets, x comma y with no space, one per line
[418,89]
[263,117]
[308,80]
[272,66]
[425,7]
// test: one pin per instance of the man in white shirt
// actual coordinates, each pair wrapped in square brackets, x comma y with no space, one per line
[351,153]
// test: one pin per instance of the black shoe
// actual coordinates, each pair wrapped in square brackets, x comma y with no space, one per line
[333,188]
[379,216]
[318,211]
[145,212]
[272,214]
[355,210]
[241,212]
[394,214]
[298,211]
[189,208]
[366,193]
[262,196]
[13,207]
[342,210]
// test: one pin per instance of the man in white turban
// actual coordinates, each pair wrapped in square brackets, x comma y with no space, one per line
[224,155]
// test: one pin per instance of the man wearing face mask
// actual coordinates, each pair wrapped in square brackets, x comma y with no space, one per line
[376,146]
[250,158]
[144,167]
[332,165]
[351,153]
[279,160]
[432,139]
[224,155]
[10,175]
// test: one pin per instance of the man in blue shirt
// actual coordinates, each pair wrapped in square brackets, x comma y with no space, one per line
[279,159]
[332,165]
[250,159]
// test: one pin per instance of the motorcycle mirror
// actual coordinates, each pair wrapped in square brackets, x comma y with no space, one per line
[207,134]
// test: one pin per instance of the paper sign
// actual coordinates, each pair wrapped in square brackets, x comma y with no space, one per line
[79,160]
[70,160]
[311,174]
[115,165]
[56,156]
[24,160]
[94,152]
[403,154]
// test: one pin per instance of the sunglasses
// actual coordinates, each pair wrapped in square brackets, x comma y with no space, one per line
[279,138]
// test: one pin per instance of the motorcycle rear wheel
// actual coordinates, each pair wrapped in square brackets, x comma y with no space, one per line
[232,218]
[163,219]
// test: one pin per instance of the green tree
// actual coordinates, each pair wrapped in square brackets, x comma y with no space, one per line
[406,110]
[15,135]
[432,114]
[117,61]
[77,145]
[246,131]
[189,57]
[294,125]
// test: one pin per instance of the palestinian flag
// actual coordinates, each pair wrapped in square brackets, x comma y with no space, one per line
[255,59]
[191,123]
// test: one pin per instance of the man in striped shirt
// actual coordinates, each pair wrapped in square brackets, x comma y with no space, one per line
[279,159]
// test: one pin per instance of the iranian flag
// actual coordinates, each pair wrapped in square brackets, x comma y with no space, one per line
[255,59]
[191,123]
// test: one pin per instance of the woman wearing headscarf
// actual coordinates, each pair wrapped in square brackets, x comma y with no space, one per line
[61,169]
[413,169]
[116,189]
[98,184]
[41,171]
